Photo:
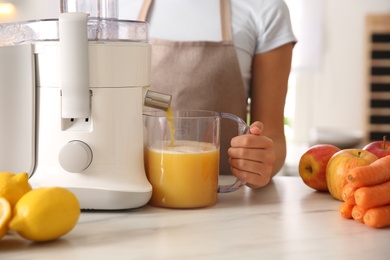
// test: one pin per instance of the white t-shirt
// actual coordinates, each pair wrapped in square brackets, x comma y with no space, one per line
[257,25]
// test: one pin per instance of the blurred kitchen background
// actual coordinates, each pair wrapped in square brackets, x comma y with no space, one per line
[330,83]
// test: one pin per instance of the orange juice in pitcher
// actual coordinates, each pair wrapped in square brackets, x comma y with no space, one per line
[184,175]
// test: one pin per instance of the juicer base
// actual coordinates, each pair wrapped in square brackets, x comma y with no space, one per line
[99,199]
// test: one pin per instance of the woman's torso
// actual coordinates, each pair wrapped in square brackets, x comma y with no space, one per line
[257,25]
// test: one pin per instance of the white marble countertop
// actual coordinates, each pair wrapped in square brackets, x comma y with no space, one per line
[285,220]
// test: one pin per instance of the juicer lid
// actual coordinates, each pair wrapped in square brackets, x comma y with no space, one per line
[99,29]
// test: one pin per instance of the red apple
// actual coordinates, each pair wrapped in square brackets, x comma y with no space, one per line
[312,165]
[340,163]
[379,148]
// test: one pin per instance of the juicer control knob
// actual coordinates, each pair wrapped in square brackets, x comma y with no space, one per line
[75,156]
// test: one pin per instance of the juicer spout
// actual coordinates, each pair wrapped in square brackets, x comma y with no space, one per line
[157,100]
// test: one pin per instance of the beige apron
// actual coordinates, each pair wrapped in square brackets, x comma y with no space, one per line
[201,75]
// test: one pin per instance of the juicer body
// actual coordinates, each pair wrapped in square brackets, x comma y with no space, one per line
[99,157]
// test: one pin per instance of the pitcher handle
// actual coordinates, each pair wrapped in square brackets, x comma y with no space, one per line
[243,128]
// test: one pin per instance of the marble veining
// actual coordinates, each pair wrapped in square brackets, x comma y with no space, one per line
[285,220]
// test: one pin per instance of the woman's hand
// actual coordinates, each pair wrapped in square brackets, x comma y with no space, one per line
[252,157]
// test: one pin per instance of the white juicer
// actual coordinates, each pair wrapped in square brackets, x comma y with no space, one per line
[74,89]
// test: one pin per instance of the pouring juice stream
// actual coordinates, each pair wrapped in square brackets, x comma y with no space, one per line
[171,125]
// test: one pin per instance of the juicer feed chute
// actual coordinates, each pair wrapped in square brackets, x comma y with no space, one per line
[89,77]
[94,8]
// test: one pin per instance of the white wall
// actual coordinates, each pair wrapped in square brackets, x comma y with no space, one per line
[32,9]
[333,95]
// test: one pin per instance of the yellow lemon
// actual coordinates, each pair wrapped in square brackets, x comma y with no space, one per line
[5,216]
[45,214]
[13,186]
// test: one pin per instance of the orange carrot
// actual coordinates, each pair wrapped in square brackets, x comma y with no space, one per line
[347,193]
[345,210]
[375,173]
[378,217]
[358,213]
[374,196]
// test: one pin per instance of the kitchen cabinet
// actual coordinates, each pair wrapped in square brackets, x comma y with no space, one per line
[378,79]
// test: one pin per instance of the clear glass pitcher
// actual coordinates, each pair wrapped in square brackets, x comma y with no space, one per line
[182,157]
